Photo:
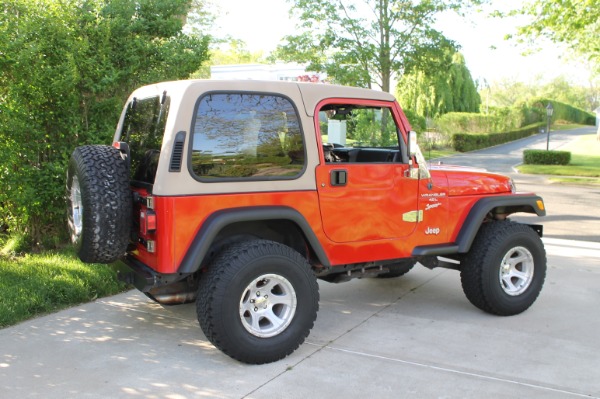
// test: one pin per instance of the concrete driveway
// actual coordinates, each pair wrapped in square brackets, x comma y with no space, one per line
[416,336]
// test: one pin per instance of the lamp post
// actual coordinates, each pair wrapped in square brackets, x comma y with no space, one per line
[549,111]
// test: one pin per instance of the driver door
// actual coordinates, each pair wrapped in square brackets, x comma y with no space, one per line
[364,193]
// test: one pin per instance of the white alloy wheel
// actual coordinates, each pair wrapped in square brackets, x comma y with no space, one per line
[268,305]
[516,271]
[76,210]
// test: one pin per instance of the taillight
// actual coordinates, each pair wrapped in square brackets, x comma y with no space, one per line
[147,221]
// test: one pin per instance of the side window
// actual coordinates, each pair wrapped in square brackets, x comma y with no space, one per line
[247,136]
[356,133]
[143,130]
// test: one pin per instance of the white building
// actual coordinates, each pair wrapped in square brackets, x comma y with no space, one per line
[279,71]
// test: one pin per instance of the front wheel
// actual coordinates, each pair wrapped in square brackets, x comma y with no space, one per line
[504,272]
[257,301]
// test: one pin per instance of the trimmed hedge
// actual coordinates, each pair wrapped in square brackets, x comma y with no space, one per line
[543,157]
[497,120]
[474,126]
[463,142]
[564,111]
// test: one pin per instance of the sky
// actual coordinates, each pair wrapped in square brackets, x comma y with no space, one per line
[262,23]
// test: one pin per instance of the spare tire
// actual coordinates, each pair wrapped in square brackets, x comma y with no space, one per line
[99,203]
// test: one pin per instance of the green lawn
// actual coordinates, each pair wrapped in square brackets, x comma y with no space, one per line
[36,284]
[440,153]
[585,162]
[566,126]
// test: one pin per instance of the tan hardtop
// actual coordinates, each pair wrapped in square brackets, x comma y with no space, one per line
[184,95]
[312,93]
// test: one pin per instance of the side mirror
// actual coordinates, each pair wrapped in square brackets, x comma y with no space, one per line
[412,143]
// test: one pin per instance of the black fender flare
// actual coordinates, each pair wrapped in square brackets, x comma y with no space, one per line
[507,204]
[219,220]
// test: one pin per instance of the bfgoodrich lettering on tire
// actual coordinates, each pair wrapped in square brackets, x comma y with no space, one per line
[504,272]
[99,203]
[257,301]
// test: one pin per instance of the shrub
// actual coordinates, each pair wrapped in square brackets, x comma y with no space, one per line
[67,68]
[417,122]
[469,142]
[543,157]
[510,119]
[498,120]
[564,112]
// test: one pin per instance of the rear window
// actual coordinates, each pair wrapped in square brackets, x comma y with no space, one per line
[143,130]
[246,136]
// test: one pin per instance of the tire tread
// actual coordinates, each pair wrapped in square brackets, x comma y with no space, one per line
[104,181]
[487,245]
[213,289]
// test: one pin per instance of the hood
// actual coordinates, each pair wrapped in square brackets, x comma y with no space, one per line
[472,181]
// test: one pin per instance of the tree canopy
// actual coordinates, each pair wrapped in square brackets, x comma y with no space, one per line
[235,52]
[67,67]
[574,22]
[365,42]
[506,93]
[452,90]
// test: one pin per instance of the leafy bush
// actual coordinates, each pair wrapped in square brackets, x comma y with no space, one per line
[498,120]
[564,112]
[542,157]
[469,142]
[417,122]
[510,119]
[67,67]
[16,244]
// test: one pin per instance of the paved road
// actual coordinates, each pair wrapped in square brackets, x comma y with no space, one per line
[572,210]
[503,157]
[412,337]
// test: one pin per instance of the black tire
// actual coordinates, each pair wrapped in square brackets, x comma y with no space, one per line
[226,310]
[99,203]
[505,269]
[398,269]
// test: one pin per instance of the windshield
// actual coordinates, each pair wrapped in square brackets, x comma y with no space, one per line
[143,130]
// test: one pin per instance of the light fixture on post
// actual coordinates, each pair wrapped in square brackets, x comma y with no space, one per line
[549,111]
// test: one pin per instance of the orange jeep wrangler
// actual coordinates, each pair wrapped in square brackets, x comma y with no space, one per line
[241,194]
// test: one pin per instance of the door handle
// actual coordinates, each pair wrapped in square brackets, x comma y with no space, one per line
[339,177]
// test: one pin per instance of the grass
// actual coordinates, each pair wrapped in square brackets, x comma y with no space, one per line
[585,162]
[561,125]
[36,284]
[437,153]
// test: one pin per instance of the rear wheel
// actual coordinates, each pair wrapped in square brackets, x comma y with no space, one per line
[99,203]
[257,301]
[505,270]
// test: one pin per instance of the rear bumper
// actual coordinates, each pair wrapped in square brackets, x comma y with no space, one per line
[134,272]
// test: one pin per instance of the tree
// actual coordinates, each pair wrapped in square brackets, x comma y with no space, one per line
[234,53]
[448,91]
[67,67]
[506,93]
[365,42]
[573,22]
